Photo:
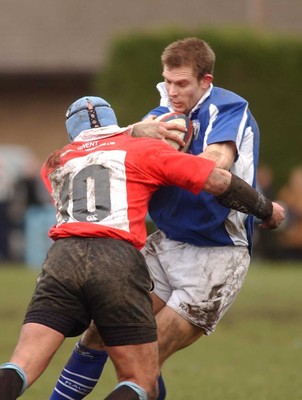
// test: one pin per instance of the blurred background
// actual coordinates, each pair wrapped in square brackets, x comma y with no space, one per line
[51,53]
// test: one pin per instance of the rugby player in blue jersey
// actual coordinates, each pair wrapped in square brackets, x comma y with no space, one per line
[200,255]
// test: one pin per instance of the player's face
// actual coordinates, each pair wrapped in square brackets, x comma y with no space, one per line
[183,87]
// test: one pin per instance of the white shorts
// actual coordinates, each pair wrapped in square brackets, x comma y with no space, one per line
[199,283]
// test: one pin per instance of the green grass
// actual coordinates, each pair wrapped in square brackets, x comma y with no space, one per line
[255,353]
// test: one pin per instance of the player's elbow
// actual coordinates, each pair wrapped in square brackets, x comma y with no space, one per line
[218,182]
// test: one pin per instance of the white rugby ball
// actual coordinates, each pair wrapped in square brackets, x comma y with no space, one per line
[183,120]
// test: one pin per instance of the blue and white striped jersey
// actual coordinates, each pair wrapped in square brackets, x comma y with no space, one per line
[198,219]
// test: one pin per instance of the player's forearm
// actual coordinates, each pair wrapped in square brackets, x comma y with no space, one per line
[233,192]
[242,197]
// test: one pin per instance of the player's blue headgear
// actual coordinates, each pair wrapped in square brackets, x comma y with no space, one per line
[86,113]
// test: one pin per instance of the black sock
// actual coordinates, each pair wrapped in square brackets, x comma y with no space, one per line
[124,392]
[10,384]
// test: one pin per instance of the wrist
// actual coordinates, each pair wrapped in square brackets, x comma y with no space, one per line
[134,131]
[130,130]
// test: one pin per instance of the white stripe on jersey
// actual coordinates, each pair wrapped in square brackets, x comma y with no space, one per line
[244,168]
[213,111]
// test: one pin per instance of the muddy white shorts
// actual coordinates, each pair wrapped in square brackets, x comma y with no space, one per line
[199,283]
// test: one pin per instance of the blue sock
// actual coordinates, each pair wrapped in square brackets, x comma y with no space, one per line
[162,388]
[80,374]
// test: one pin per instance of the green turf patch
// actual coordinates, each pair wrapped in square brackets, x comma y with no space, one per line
[255,353]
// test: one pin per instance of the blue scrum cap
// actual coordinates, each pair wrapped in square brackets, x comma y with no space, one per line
[86,113]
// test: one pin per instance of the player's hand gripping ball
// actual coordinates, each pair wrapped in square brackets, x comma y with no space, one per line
[182,120]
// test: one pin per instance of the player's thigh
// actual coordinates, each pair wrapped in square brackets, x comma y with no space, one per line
[91,338]
[159,252]
[174,332]
[206,282]
[35,348]
[158,303]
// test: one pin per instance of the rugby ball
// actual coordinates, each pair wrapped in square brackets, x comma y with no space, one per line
[183,120]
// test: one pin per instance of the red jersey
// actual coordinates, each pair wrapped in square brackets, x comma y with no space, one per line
[102,182]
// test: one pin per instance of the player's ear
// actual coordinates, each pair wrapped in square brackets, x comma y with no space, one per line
[207,80]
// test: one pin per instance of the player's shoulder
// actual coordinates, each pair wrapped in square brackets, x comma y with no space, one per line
[157,111]
[146,150]
[145,144]
[221,96]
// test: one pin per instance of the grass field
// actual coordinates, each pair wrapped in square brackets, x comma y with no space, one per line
[255,353]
